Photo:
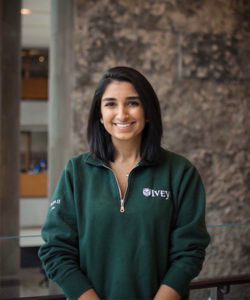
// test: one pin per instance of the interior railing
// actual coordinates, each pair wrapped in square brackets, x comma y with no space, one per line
[219,287]
[225,274]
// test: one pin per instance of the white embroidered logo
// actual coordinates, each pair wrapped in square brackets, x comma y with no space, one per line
[156,193]
[146,192]
[54,203]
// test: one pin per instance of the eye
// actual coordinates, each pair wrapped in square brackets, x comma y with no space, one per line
[133,103]
[110,104]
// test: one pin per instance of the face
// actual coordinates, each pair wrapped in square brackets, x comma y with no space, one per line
[122,113]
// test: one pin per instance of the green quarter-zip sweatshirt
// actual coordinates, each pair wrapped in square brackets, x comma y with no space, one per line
[125,248]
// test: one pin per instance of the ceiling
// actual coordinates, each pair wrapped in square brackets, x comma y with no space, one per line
[36,25]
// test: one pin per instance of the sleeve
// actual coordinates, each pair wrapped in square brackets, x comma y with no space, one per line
[189,237]
[60,252]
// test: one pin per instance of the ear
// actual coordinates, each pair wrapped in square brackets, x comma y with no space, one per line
[101,120]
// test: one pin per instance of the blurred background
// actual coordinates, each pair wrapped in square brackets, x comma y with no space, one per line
[196,55]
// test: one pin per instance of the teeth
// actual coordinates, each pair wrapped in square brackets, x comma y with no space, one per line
[122,125]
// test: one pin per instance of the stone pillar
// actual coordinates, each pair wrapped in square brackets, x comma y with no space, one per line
[60,83]
[10,55]
[60,87]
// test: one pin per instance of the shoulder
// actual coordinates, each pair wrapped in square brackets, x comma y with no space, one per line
[178,165]
[79,158]
[82,160]
[174,159]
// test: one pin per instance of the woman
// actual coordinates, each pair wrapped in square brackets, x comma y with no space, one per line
[127,219]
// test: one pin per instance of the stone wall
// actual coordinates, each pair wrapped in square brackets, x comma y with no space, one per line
[196,55]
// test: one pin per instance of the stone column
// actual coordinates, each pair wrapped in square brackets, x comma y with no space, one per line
[10,55]
[60,86]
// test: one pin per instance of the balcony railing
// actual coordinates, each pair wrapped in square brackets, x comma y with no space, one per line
[223,260]
[218,287]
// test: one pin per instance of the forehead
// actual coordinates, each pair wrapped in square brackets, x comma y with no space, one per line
[119,88]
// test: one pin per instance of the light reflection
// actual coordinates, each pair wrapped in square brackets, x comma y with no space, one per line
[25,11]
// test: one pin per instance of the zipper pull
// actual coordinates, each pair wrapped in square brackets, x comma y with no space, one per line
[122,209]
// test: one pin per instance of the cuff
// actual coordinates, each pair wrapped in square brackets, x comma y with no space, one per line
[177,279]
[75,284]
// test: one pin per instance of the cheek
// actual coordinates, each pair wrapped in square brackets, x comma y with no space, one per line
[141,114]
[106,116]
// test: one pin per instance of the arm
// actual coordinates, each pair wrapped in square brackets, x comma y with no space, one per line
[189,236]
[60,253]
[89,295]
[166,293]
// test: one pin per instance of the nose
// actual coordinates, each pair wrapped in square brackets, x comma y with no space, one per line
[122,113]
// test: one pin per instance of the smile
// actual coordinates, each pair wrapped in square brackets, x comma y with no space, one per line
[124,125]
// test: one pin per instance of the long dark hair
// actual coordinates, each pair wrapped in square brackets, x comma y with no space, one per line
[99,139]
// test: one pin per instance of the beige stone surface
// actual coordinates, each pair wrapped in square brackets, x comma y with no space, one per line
[196,55]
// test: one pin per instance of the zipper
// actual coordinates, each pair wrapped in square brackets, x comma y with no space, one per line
[122,208]
[122,200]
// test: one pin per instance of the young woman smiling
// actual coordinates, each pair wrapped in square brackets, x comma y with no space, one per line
[130,223]
[122,115]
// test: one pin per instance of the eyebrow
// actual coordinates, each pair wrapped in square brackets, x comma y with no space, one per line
[127,98]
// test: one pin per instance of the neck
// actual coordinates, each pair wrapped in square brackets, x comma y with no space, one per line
[126,151]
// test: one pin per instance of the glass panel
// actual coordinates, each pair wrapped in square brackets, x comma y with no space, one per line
[22,274]
[241,292]
[200,294]
[227,253]
[227,257]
